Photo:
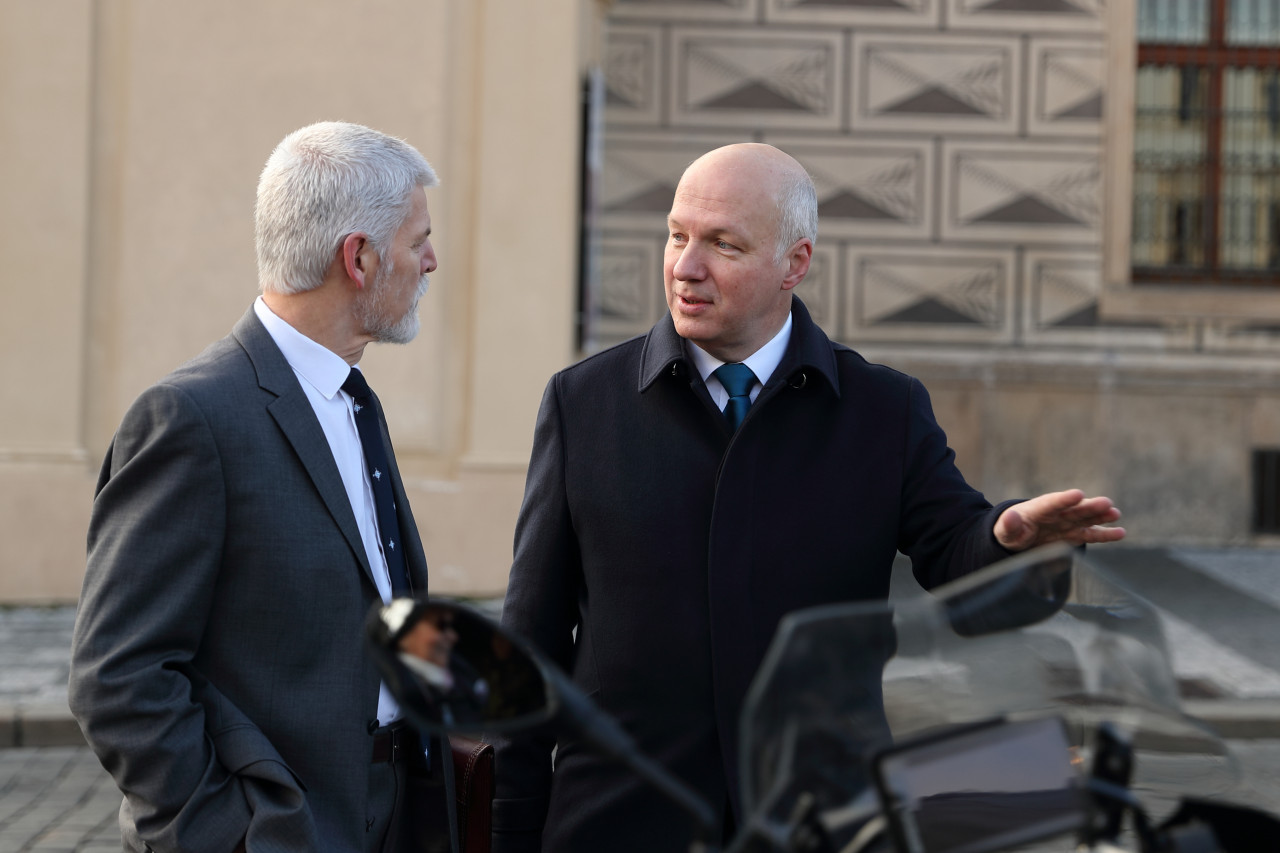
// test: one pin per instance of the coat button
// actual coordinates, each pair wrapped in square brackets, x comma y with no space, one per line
[372,725]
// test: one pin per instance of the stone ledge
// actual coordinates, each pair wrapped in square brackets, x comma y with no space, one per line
[38,725]
[53,725]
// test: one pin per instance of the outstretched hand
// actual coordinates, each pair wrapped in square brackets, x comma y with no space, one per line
[1058,517]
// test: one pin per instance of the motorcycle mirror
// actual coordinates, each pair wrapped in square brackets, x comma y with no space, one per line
[454,670]
[1020,591]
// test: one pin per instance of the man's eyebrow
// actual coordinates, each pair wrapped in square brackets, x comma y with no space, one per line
[726,230]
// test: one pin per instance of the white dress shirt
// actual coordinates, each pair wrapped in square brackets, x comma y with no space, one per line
[321,373]
[762,363]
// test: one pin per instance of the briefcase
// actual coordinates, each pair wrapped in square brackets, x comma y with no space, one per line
[473,781]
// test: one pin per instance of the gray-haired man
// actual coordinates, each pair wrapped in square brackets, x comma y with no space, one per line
[236,542]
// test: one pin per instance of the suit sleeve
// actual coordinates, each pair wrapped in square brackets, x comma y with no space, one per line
[947,525]
[154,552]
[541,605]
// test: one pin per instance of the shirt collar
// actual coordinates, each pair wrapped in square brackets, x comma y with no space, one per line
[663,351]
[322,367]
[763,362]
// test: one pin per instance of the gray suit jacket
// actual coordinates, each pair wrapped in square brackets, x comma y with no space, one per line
[217,663]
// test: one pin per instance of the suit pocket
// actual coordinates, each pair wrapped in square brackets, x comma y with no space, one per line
[245,751]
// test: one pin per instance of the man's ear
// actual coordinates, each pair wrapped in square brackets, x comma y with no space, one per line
[357,256]
[797,261]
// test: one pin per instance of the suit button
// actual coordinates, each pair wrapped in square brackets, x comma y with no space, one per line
[373,725]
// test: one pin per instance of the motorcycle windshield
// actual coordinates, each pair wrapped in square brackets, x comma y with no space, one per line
[1041,634]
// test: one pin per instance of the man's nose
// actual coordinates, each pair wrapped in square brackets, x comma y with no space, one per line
[429,259]
[689,266]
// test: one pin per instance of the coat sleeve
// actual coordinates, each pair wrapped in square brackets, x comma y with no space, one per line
[541,605]
[154,551]
[947,526]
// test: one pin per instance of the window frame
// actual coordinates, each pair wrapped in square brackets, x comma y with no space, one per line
[1160,294]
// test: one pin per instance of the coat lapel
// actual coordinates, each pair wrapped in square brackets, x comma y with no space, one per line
[293,414]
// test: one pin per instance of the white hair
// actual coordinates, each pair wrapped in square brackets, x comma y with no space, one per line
[323,182]
[797,210]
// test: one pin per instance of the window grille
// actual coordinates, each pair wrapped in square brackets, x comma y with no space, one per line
[1207,142]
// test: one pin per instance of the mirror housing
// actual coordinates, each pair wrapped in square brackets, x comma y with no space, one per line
[453,670]
[1014,593]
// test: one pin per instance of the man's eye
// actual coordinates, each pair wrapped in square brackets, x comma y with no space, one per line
[721,244]
[677,238]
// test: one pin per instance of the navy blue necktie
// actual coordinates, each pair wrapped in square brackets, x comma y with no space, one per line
[375,460]
[737,379]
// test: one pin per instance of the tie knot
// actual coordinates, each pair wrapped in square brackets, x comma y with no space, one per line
[356,386]
[736,378]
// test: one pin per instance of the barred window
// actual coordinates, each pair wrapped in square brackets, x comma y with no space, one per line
[1206,206]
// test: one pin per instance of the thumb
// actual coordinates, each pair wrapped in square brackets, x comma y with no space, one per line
[1012,530]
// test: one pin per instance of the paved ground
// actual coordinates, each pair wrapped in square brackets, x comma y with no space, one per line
[1221,609]
[56,799]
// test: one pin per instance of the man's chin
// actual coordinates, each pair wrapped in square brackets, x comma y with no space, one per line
[688,328]
[401,333]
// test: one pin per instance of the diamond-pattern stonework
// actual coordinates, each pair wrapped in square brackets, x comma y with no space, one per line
[954,146]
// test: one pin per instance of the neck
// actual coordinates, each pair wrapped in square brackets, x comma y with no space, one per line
[324,316]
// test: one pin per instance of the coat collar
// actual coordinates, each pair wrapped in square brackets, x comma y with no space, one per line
[809,351]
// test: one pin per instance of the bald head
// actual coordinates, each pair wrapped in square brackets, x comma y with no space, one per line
[738,244]
[767,176]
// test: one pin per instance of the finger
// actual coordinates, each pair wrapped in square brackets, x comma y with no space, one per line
[1105,516]
[1092,511]
[1051,505]
[1104,534]
[1058,501]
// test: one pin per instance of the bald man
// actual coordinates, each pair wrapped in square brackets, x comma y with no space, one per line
[690,487]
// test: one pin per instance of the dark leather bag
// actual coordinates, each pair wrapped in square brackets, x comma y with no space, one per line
[473,783]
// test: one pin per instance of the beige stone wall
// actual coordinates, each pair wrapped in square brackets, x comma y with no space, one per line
[133,132]
[1169,437]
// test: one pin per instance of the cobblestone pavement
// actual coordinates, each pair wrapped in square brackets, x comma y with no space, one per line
[56,799]
[60,800]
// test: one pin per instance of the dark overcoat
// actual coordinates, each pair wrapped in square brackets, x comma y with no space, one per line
[674,546]
[218,666]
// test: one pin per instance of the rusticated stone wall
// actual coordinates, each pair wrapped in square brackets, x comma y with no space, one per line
[958,149]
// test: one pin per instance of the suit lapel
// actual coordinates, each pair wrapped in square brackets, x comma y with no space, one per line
[293,414]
